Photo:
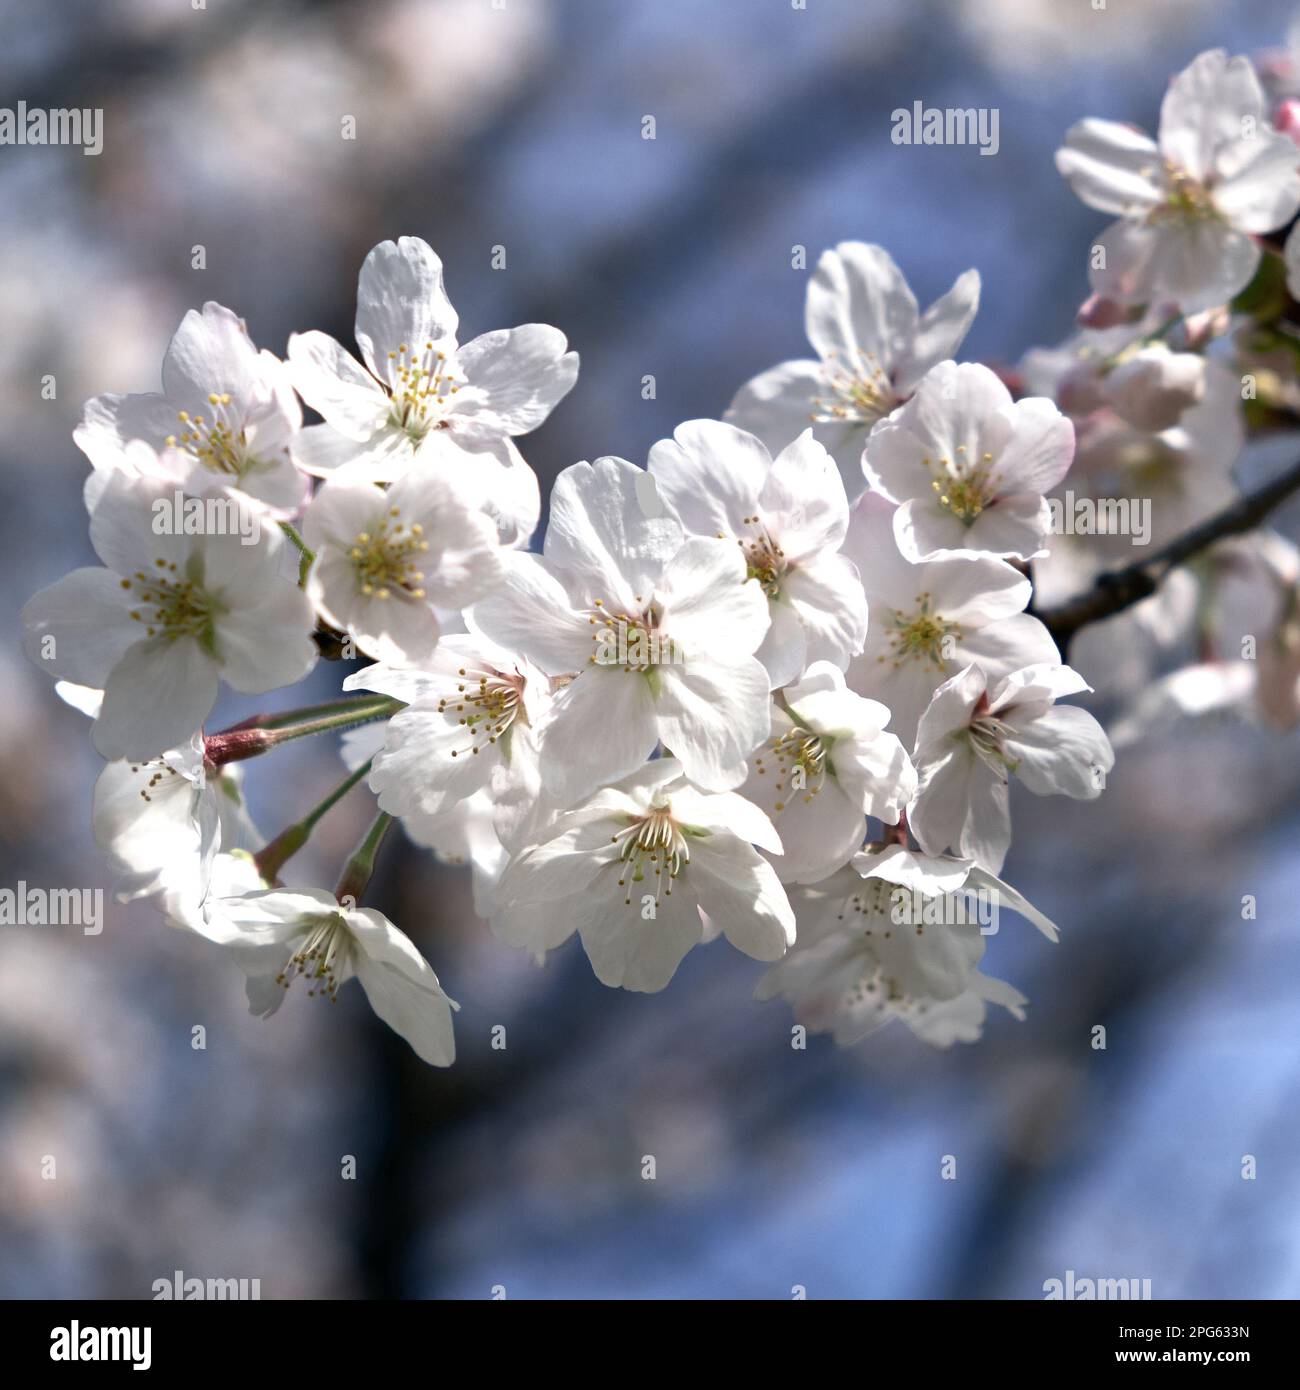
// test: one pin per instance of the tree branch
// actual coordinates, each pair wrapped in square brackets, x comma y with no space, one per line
[1120,589]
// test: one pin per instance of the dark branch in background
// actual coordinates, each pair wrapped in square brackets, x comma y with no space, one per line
[1120,589]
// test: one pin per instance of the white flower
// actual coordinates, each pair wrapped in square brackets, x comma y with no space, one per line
[285,934]
[873,346]
[469,726]
[167,616]
[420,395]
[226,409]
[1152,387]
[969,466]
[972,739]
[1191,203]
[384,559]
[634,869]
[161,822]
[930,620]
[789,517]
[895,936]
[828,764]
[657,634]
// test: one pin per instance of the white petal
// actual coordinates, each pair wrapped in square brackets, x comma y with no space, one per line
[334,383]
[516,376]
[401,302]
[78,627]
[1110,166]
[156,697]
[859,303]
[402,988]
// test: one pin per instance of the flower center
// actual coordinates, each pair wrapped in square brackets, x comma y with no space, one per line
[1186,200]
[802,762]
[633,641]
[421,385]
[384,558]
[487,708]
[320,958]
[963,485]
[220,443]
[654,841]
[764,559]
[171,606]
[920,636]
[986,733]
[859,391]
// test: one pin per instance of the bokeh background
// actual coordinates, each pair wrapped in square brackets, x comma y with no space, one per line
[518,123]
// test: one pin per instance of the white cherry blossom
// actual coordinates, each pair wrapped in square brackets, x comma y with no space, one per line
[281,935]
[635,869]
[827,766]
[227,412]
[469,727]
[972,739]
[422,396]
[968,466]
[384,559]
[863,958]
[789,517]
[873,346]
[652,637]
[930,620]
[1190,203]
[165,619]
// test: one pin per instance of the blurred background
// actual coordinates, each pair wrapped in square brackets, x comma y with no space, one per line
[518,123]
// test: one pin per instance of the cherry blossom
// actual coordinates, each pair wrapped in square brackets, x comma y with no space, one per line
[1191,202]
[634,869]
[165,619]
[789,517]
[421,395]
[873,346]
[968,466]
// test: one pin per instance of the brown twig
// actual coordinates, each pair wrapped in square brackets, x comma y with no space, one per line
[1120,589]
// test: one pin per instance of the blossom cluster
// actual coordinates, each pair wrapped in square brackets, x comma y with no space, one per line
[772,685]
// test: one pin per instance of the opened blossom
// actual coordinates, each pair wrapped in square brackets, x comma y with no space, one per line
[385,559]
[469,726]
[873,346]
[895,936]
[283,936]
[789,516]
[968,466]
[828,764]
[421,395]
[930,620]
[973,738]
[651,636]
[166,619]
[643,871]
[227,416]
[161,822]
[1190,203]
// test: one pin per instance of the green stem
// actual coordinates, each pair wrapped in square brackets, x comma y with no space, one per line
[265,731]
[359,868]
[271,858]
[305,555]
